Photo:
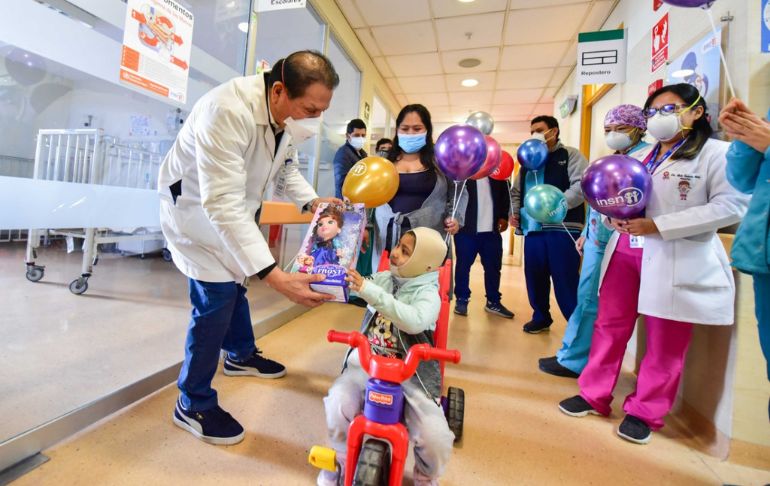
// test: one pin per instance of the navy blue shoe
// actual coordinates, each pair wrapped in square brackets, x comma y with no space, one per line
[255,365]
[634,430]
[533,327]
[461,307]
[499,310]
[577,406]
[552,366]
[213,426]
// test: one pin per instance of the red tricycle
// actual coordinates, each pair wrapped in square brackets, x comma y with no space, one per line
[377,439]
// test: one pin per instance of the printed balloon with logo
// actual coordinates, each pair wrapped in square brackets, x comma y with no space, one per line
[546,204]
[617,186]
[372,181]
[505,169]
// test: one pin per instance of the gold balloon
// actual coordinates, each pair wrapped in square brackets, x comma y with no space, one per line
[372,181]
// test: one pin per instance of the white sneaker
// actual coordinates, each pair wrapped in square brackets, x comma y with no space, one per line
[421,479]
[328,478]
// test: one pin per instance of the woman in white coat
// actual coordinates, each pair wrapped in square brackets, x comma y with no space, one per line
[234,144]
[669,266]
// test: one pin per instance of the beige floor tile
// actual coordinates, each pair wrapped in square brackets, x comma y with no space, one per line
[59,351]
[514,433]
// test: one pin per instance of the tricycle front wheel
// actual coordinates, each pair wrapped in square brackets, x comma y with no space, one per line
[373,465]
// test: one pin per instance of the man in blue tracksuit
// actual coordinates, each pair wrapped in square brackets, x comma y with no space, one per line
[624,127]
[549,251]
[486,216]
[748,170]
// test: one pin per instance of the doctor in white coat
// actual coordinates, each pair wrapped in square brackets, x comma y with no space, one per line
[669,266]
[232,147]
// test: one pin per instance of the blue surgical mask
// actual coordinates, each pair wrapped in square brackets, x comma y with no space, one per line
[412,143]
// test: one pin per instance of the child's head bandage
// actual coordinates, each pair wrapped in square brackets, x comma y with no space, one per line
[429,254]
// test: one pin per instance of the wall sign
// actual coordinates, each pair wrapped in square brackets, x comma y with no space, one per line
[157,41]
[660,43]
[654,86]
[601,57]
[567,107]
[268,5]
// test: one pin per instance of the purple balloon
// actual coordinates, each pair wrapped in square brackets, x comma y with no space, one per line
[690,3]
[460,151]
[617,186]
[532,154]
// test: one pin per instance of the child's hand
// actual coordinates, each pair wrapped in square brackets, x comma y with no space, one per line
[355,280]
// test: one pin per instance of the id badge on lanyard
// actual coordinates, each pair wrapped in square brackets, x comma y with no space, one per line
[636,241]
[291,159]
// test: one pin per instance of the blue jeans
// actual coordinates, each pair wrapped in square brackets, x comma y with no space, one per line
[580,327]
[488,245]
[547,255]
[220,320]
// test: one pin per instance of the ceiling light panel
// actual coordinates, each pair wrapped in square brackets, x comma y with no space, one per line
[416,64]
[405,39]
[485,31]
[393,12]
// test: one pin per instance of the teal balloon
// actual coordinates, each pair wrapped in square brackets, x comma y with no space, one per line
[546,204]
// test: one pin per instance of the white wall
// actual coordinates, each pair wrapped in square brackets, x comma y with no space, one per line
[686,25]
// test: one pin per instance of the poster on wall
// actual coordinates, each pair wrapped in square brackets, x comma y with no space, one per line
[660,43]
[700,66]
[157,42]
[765,21]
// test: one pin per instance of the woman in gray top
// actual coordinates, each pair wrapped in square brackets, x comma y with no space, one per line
[425,196]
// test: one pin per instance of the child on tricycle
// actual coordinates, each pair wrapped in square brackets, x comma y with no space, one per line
[404,305]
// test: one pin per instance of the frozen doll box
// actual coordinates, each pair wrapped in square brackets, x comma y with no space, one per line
[331,246]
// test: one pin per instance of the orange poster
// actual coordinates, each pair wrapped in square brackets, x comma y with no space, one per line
[157,42]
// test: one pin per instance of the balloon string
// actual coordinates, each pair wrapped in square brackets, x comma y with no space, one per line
[569,234]
[510,198]
[454,206]
[455,201]
[457,197]
[721,52]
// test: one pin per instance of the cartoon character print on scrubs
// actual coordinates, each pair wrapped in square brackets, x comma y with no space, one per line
[684,188]
[382,335]
[326,249]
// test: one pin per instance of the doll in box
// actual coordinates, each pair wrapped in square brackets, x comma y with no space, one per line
[325,247]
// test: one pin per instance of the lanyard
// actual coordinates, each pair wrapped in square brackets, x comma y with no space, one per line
[650,162]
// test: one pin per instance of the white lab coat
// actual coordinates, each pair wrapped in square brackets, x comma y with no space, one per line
[686,275]
[224,156]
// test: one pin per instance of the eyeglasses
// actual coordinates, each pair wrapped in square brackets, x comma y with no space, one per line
[668,109]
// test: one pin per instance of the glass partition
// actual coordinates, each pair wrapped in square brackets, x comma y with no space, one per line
[60,95]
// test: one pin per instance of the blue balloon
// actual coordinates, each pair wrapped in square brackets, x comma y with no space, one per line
[546,204]
[532,154]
